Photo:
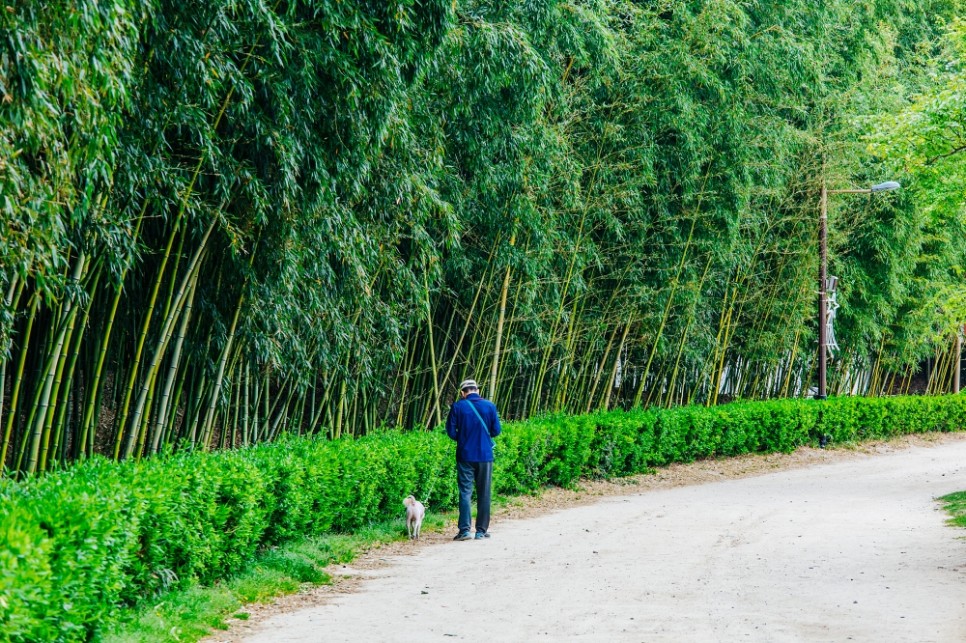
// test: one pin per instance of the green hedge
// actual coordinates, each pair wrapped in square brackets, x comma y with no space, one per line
[76,544]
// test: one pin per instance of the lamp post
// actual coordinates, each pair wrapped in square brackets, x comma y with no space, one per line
[821,394]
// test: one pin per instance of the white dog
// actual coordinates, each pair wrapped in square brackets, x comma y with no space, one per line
[415,511]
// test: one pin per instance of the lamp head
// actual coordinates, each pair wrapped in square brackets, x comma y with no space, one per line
[886,187]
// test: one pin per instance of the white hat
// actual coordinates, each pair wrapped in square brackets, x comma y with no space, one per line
[468,384]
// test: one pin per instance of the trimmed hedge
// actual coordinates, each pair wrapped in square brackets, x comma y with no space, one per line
[77,544]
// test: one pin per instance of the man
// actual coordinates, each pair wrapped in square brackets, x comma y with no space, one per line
[473,423]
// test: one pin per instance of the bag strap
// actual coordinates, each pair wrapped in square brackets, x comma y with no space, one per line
[479,417]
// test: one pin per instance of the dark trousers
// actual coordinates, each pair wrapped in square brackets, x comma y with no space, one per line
[469,474]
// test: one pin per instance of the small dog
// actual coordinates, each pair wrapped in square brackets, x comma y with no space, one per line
[415,511]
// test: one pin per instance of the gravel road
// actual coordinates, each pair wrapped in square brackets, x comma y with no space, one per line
[852,549]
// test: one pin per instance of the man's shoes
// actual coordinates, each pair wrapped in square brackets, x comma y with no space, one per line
[480,535]
[463,535]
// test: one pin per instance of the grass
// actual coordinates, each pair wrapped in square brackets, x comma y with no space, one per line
[955,505]
[190,613]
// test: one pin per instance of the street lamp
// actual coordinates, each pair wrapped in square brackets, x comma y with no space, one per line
[823,277]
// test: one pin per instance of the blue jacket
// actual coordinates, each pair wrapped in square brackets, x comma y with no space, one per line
[462,425]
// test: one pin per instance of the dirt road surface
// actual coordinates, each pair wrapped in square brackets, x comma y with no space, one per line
[815,546]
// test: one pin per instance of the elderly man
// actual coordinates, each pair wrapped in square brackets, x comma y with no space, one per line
[473,423]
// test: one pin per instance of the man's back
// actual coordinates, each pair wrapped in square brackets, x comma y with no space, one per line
[473,422]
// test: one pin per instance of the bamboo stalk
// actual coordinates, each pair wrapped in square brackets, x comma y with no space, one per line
[12,299]
[875,388]
[173,366]
[407,367]
[316,418]
[59,423]
[10,302]
[721,345]
[907,382]
[277,423]
[247,385]
[943,368]
[563,384]
[495,364]
[729,327]
[545,360]
[226,413]
[598,375]
[469,318]
[947,375]
[677,362]
[791,362]
[167,329]
[94,386]
[659,386]
[266,415]
[53,425]
[958,361]
[161,271]
[699,286]
[19,381]
[299,418]
[135,362]
[50,369]
[193,409]
[931,375]
[220,373]
[892,383]
[502,376]
[432,350]
[612,380]
[337,433]
[667,311]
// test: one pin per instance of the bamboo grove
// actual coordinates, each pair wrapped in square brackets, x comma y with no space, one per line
[231,219]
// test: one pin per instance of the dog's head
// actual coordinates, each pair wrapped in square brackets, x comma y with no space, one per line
[409,501]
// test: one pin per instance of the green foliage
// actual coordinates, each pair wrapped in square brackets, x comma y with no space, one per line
[225,221]
[920,138]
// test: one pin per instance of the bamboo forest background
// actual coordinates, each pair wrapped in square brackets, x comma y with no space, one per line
[225,220]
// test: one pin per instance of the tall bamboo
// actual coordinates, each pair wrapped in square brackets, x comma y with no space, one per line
[58,424]
[667,308]
[599,373]
[495,363]
[551,342]
[611,381]
[167,329]
[174,364]
[19,381]
[511,318]
[408,357]
[466,326]
[220,373]
[53,361]
[178,220]
[432,350]
[957,360]
[10,301]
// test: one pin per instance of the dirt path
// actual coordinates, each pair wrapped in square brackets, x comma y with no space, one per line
[812,546]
